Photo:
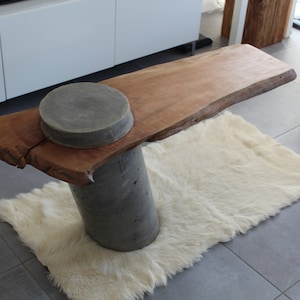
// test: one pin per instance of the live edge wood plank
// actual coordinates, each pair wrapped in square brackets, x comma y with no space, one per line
[164,99]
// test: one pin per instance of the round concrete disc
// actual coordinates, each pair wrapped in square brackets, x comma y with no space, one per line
[85,115]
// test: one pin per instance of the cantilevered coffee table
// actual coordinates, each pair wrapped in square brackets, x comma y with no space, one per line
[163,100]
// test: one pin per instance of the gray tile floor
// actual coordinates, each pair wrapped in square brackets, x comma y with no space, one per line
[262,264]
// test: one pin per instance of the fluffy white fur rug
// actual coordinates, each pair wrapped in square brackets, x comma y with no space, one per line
[216,179]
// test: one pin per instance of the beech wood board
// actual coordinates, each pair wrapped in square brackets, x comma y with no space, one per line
[164,99]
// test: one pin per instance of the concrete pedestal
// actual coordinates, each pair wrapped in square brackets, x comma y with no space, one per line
[118,210]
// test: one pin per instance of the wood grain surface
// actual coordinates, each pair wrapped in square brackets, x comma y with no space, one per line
[164,99]
[265,23]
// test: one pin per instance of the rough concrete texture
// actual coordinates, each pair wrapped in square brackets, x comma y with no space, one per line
[118,209]
[85,115]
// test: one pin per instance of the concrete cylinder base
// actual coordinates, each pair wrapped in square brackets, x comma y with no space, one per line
[118,209]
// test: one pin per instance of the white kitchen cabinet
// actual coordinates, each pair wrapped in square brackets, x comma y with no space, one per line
[144,27]
[52,43]
[2,86]
[47,42]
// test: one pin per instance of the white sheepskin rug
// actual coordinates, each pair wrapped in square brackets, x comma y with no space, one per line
[210,182]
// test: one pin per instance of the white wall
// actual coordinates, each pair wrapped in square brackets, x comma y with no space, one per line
[210,5]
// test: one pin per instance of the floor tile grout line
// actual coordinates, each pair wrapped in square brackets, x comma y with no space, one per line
[297,282]
[283,295]
[286,132]
[282,291]
[11,269]
[32,276]
[14,252]
[23,264]
[252,268]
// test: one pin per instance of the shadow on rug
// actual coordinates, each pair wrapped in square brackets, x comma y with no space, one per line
[218,178]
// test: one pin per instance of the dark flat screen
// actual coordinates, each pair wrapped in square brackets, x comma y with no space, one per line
[8,1]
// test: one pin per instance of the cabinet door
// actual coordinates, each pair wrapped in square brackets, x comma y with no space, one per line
[57,42]
[2,87]
[144,27]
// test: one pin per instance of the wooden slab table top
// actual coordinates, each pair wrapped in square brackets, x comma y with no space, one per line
[164,99]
